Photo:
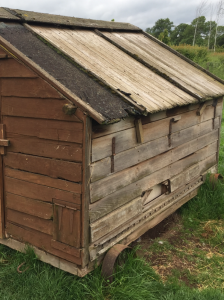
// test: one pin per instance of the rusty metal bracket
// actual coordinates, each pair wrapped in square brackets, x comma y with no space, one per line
[109,261]
[172,120]
[214,104]
[214,178]
[112,156]
[18,269]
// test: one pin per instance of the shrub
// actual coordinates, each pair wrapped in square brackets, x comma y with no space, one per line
[195,53]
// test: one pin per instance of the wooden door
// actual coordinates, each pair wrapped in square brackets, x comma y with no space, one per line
[3,144]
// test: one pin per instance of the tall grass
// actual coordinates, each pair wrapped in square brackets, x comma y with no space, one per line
[195,53]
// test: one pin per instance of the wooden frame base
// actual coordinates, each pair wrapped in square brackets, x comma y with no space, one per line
[81,272]
[48,258]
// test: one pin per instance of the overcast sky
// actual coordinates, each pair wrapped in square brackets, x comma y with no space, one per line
[142,13]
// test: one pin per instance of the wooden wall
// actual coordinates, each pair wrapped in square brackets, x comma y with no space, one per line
[175,149]
[43,164]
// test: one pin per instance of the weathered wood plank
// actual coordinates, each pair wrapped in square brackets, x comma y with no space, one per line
[126,139]
[101,169]
[2,205]
[44,180]
[139,131]
[195,170]
[45,129]
[26,220]
[131,226]
[38,239]
[67,225]
[135,188]
[45,148]
[12,68]
[87,136]
[28,87]
[36,108]
[43,256]
[102,130]
[50,167]
[145,151]
[140,231]
[65,248]
[29,206]
[115,219]
[38,192]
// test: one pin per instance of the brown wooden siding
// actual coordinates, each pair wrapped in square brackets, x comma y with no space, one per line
[43,164]
[179,153]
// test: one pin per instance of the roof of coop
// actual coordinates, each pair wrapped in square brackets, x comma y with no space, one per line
[111,69]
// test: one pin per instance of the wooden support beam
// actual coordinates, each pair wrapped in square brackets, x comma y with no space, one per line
[139,131]
[173,120]
[201,109]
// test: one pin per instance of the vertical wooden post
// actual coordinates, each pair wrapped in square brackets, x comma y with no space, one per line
[139,131]
[2,208]
[87,143]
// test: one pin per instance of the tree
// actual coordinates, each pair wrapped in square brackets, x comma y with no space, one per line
[178,34]
[219,15]
[164,37]
[199,12]
[159,27]
[220,36]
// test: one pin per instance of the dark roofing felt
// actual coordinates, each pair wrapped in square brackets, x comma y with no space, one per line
[86,88]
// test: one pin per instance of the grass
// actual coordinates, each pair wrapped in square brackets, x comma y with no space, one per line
[186,263]
[214,63]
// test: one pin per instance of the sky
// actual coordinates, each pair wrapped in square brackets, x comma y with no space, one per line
[142,13]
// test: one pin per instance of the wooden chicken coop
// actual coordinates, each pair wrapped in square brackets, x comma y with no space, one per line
[105,131]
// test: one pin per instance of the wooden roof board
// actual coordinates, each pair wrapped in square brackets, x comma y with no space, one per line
[5,15]
[176,68]
[35,17]
[92,92]
[117,68]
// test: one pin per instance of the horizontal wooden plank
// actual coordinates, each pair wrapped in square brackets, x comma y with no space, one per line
[123,195]
[65,248]
[45,148]
[43,256]
[29,206]
[12,68]
[45,129]
[155,221]
[42,225]
[102,130]
[195,170]
[162,205]
[115,219]
[45,166]
[149,166]
[150,149]
[28,87]
[44,180]
[39,240]
[126,139]
[38,192]
[36,108]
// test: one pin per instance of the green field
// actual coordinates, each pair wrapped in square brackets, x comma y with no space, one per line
[186,262]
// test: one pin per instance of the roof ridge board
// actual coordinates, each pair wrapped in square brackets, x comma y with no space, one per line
[17,54]
[137,108]
[182,56]
[152,68]
[45,18]
[7,15]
